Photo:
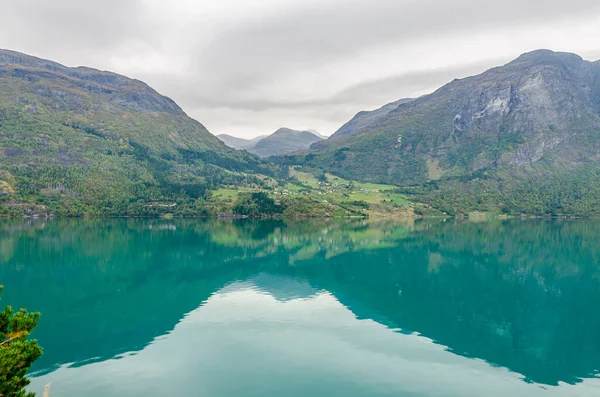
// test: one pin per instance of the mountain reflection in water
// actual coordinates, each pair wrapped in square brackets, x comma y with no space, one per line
[523,295]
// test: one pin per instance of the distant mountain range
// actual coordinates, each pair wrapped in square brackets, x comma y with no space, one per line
[239,143]
[282,141]
[521,137]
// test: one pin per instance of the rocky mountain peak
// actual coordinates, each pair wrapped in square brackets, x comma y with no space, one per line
[543,104]
[283,131]
[547,57]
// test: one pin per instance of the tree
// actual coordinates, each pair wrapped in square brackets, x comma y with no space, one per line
[256,204]
[17,352]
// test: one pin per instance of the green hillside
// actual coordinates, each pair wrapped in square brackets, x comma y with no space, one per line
[79,141]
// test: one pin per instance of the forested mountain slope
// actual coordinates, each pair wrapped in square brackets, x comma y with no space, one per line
[523,137]
[80,140]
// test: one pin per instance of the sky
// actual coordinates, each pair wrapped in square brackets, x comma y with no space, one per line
[249,67]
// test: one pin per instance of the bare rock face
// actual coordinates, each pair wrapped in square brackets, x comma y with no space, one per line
[486,111]
[528,97]
[541,104]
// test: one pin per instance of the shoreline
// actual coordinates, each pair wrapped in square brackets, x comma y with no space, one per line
[238,217]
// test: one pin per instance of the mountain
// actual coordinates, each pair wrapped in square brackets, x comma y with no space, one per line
[365,118]
[282,141]
[317,133]
[523,137]
[80,140]
[239,143]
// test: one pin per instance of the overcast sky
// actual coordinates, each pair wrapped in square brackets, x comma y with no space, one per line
[248,67]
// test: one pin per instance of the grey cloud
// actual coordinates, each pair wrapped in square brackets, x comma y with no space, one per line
[593,56]
[66,26]
[405,85]
[273,49]
[367,93]
[264,115]
[270,47]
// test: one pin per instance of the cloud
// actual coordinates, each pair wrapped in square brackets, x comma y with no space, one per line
[407,84]
[306,37]
[255,117]
[361,94]
[329,54]
[68,26]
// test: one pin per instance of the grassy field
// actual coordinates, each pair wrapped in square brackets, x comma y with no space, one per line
[304,178]
[377,197]
[380,198]
[329,195]
[226,194]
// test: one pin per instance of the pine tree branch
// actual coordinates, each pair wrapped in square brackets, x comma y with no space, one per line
[14,336]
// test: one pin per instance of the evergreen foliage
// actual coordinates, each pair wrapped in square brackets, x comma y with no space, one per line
[257,204]
[17,352]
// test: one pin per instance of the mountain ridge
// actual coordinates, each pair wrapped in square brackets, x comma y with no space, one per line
[471,87]
[364,118]
[80,140]
[239,143]
[536,116]
[283,141]
[82,75]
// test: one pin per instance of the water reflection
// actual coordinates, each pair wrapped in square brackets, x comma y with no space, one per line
[519,295]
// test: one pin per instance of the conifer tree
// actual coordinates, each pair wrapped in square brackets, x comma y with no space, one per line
[17,351]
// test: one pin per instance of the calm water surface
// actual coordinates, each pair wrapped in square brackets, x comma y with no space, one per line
[340,308]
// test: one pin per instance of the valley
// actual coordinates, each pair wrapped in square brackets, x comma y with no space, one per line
[519,139]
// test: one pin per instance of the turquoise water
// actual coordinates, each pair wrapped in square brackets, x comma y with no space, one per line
[309,308]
